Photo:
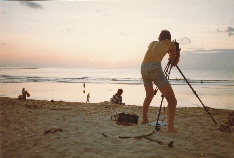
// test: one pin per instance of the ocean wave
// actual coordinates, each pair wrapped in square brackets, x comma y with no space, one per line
[136,81]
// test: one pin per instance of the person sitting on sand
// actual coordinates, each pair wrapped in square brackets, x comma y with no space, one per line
[151,71]
[24,95]
[117,98]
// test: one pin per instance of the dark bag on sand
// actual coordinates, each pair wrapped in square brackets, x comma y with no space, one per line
[122,117]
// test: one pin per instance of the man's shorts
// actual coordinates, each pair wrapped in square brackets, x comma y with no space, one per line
[152,72]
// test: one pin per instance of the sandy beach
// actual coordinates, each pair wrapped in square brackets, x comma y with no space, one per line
[88,131]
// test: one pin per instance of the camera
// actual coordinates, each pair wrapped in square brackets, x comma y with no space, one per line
[177,45]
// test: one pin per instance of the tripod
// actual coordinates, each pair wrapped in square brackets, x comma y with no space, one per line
[167,72]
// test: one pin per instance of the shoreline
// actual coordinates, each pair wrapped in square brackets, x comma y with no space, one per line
[108,102]
[212,96]
[88,131]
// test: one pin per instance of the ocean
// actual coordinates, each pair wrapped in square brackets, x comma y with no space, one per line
[214,87]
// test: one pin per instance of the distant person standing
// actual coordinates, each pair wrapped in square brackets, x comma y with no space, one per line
[88,96]
[151,71]
[84,88]
[117,98]
[24,93]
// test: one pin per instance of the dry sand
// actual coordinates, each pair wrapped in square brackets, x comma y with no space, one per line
[23,124]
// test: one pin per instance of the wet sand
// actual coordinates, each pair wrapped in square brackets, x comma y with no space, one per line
[88,131]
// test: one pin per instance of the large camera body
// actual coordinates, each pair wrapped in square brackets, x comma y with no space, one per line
[177,45]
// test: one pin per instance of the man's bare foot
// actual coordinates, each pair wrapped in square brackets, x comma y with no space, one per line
[145,121]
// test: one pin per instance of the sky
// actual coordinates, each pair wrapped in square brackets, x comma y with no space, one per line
[114,34]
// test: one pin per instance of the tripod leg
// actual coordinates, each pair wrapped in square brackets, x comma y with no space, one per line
[155,91]
[167,72]
[157,128]
[195,93]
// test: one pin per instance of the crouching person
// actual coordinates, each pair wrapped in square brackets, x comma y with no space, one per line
[117,98]
[24,95]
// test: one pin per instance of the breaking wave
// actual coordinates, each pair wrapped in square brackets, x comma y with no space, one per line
[24,79]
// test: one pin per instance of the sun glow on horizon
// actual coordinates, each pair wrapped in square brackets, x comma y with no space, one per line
[107,34]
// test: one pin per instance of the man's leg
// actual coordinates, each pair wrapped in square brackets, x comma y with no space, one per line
[168,93]
[149,96]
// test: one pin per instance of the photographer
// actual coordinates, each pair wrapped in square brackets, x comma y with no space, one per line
[151,71]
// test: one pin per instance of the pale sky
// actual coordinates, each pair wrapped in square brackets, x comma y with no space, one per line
[114,34]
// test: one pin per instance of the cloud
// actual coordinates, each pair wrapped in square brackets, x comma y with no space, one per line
[219,30]
[32,5]
[184,40]
[122,33]
[229,30]
[201,50]
[3,44]
[98,11]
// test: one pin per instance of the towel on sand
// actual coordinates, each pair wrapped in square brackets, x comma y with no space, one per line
[162,124]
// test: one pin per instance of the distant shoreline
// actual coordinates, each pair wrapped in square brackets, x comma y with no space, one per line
[18,67]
